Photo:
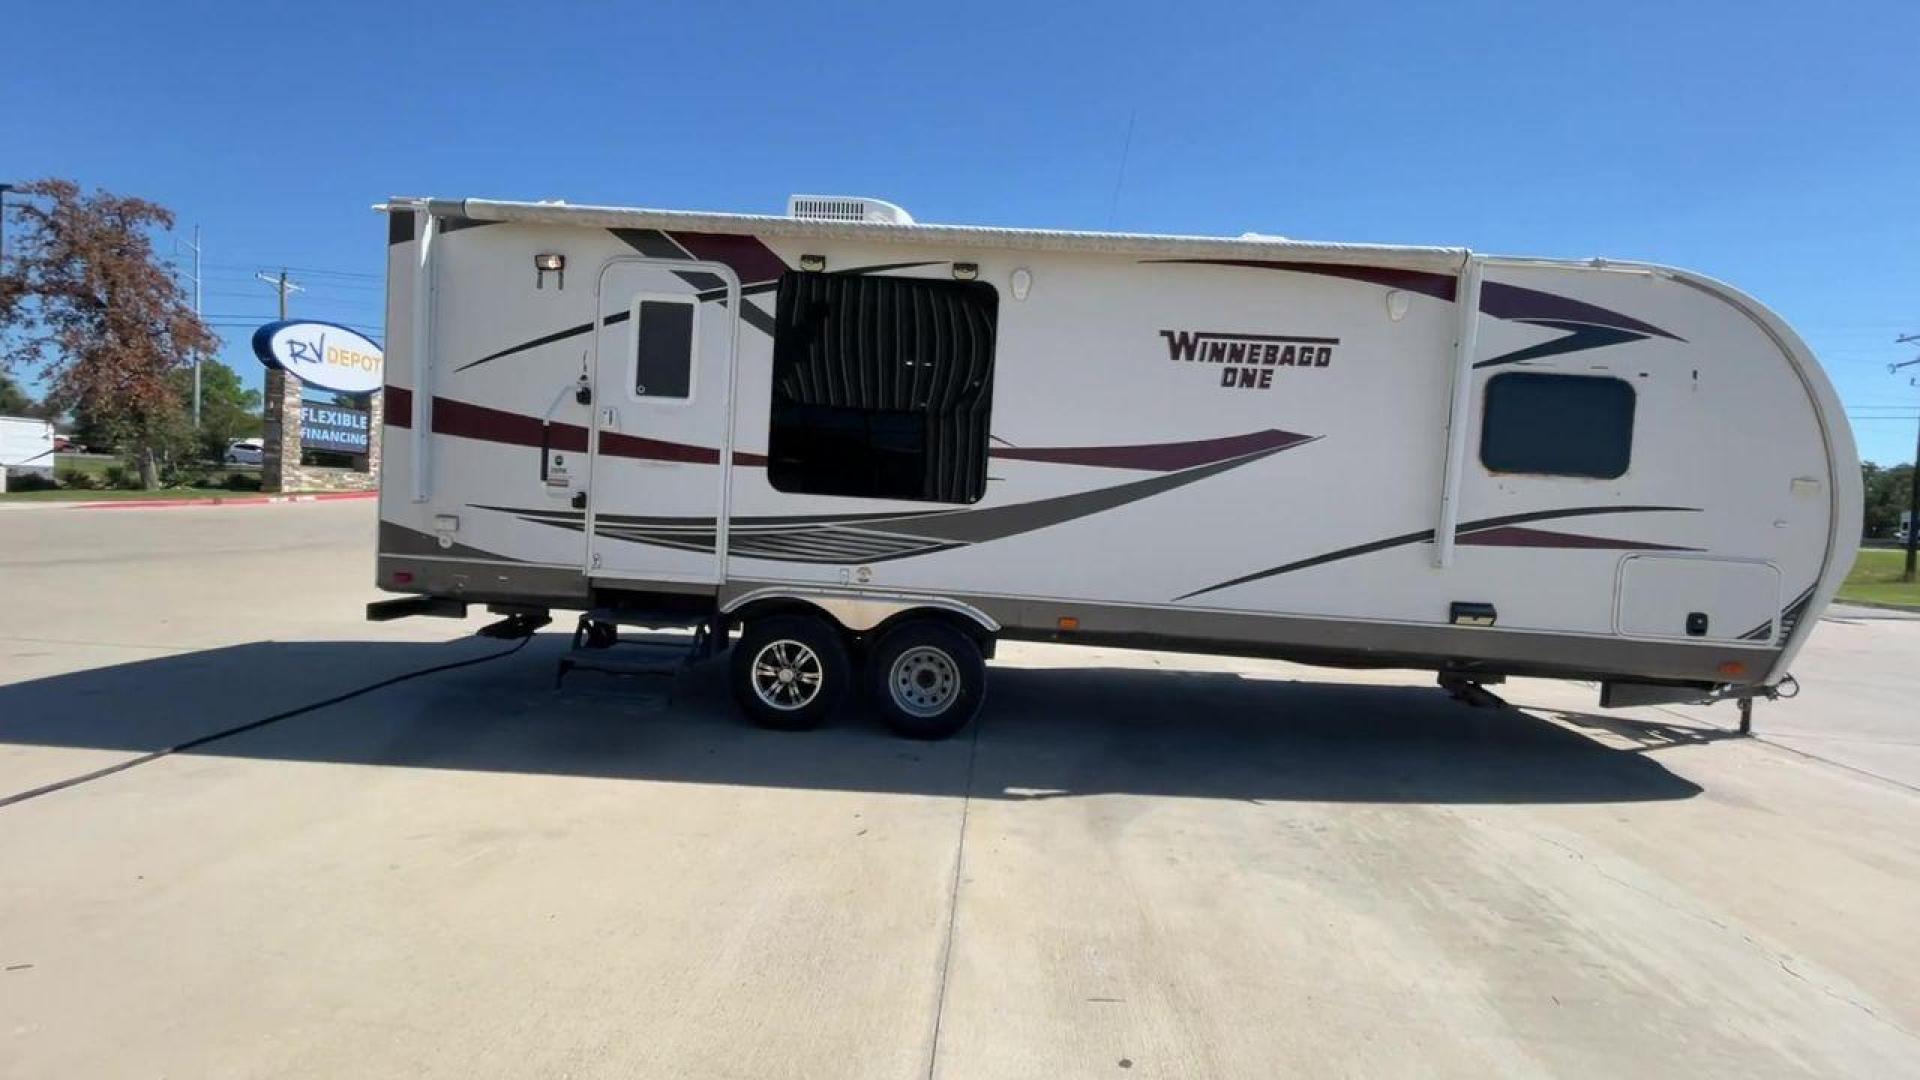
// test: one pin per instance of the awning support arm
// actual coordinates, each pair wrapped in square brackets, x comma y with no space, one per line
[423,358]
[1466,333]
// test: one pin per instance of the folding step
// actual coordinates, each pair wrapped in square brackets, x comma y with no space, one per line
[596,646]
[650,619]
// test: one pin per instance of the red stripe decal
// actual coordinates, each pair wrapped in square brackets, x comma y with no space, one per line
[633,446]
[399,407]
[1439,286]
[469,421]
[752,260]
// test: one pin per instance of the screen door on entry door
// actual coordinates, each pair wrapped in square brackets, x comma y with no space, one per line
[662,383]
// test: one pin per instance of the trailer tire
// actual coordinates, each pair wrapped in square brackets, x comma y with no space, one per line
[927,679]
[790,671]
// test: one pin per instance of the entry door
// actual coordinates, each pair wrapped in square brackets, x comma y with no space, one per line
[662,384]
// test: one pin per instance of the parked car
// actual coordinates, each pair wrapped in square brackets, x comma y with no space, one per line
[245,452]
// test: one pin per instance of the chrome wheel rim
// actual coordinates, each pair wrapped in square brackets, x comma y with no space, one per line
[924,681]
[787,675]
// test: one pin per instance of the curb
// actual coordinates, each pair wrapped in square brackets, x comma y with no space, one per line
[1878,605]
[242,500]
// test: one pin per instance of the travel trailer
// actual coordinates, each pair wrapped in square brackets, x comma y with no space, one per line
[26,447]
[874,447]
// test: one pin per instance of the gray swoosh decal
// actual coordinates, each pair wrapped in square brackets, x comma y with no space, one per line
[816,539]
[979,526]
[1579,337]
[1426,535]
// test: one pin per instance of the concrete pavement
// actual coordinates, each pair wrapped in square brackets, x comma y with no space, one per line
[1139,865]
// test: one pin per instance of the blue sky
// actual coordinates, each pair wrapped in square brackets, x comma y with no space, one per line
[1772,145]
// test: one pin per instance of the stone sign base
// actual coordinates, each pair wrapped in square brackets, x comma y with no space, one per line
[322,478]
[280,468]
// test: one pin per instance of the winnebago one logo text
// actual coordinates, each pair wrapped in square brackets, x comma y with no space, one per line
[1247,361]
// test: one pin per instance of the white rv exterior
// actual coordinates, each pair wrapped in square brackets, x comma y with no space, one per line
[26,446]
[1358,455]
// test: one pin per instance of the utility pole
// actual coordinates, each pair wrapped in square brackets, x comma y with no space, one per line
[4,188]
[196,313]
[1913,494]
[281,462]
[282,286]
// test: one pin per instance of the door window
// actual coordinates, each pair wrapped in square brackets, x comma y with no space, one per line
[663,348]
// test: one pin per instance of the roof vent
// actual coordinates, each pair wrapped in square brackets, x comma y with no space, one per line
[846,208]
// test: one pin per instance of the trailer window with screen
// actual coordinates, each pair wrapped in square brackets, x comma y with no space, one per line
[1557,425]
[881,387]
[662,348]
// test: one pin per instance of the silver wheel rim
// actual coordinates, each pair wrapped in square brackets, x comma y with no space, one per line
[924,681]
[787,675]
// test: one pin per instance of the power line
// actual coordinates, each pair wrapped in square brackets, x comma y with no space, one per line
[308,271]
[236,318]
[375,332]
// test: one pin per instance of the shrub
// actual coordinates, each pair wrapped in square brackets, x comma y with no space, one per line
[120,477]
[242,482]
[78,479]
[30,481]
[182,474]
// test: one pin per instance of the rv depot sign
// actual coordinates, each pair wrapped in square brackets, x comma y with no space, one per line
[332,358]
[321,354]
[331,427]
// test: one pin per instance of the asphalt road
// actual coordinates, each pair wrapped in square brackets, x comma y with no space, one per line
[1139,864]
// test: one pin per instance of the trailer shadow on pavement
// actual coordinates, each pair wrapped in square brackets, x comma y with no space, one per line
[1047,732]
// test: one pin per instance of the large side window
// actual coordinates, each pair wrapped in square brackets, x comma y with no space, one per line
[881,387]
[662,348]
[1557,425]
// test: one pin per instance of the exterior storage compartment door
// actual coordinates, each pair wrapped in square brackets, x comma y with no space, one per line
[1697,599]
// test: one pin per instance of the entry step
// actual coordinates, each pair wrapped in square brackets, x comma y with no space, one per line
[644,617]
[636,659]
[598,646]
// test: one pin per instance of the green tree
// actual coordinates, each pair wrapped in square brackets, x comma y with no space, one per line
[1886,497]
[14,399]
[86,301]
[229,409]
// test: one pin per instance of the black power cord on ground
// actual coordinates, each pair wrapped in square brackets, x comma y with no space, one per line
[228,733]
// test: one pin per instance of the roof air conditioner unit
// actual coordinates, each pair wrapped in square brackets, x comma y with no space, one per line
[846,208]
